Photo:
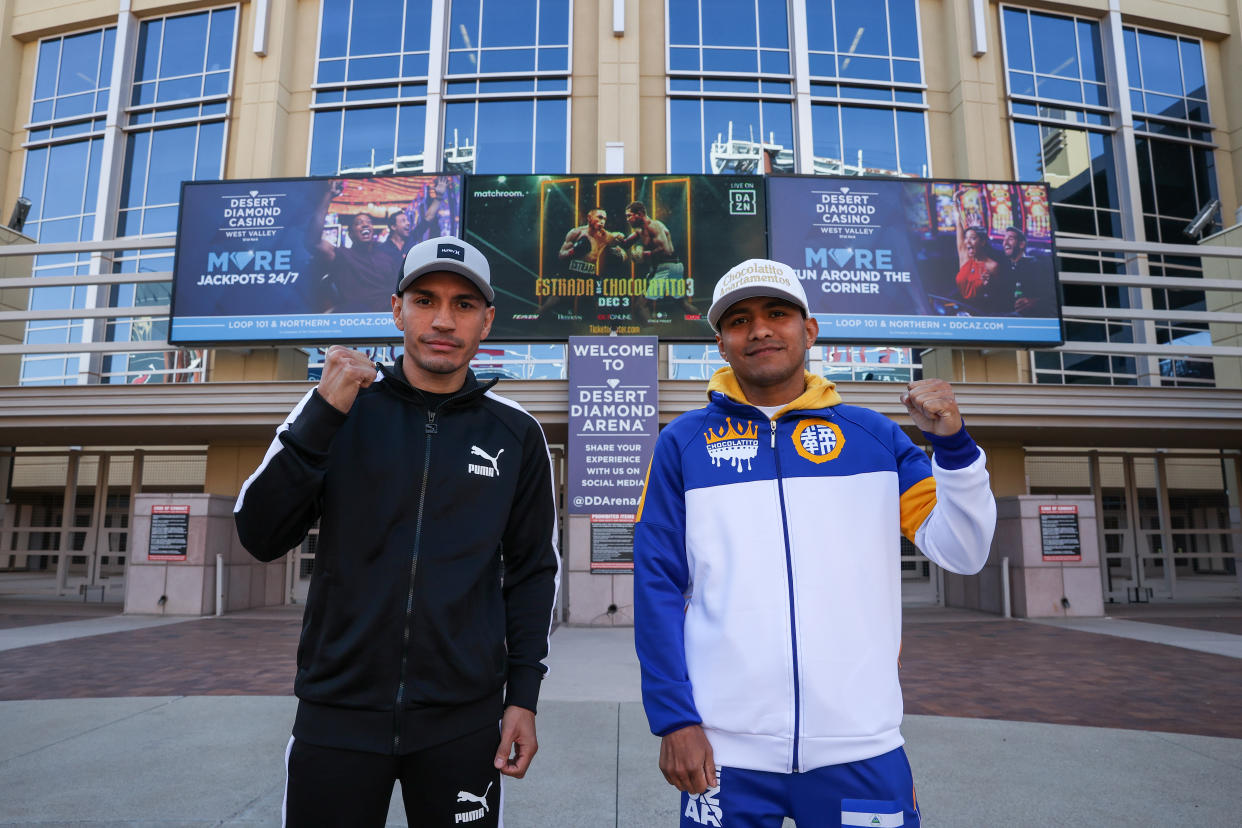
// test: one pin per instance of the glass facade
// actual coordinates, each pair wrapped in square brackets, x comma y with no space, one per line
[61,178]
[370,99]
[1177,176]
[507,87]
[175,128]
[1062,123]
[730,86]
[868,115]
[504,78]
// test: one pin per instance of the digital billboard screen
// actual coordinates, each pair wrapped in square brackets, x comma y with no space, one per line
[575,255]
[300,259]
[912,260]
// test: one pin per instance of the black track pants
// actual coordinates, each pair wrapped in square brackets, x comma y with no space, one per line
[452,784]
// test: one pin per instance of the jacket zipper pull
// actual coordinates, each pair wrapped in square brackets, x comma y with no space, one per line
[773,422]
[431,426]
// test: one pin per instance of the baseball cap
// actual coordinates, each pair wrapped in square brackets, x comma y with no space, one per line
[447,253]
[756,277]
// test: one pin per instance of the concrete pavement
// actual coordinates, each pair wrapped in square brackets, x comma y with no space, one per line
[216,760]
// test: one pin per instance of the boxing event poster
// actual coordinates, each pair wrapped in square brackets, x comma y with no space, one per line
[912,260]
[305,260]
[576,255]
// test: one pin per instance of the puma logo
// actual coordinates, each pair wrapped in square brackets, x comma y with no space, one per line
[474,468]
[466,796]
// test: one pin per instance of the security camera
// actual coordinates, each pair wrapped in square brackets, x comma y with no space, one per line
[1202,218]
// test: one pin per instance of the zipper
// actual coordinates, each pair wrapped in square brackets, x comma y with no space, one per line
[430,429]
[793,623]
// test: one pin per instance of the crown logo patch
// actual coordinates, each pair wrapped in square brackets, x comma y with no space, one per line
[733,444]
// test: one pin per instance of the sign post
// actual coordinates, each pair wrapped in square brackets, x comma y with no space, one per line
[613,423]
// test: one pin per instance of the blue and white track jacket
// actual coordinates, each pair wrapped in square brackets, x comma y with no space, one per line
[767,589]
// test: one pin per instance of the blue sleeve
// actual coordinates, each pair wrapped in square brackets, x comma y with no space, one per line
[661,580]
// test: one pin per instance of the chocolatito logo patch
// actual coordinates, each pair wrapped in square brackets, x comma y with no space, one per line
[450,251]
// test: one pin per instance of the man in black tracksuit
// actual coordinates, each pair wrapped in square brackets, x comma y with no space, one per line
[436,570]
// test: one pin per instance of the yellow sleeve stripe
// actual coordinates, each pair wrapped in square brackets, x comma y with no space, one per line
[643,498]
[916,504]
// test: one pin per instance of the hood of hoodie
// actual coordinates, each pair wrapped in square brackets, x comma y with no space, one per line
[818,393]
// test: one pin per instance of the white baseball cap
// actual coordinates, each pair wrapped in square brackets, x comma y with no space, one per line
[447,253]
[756,277]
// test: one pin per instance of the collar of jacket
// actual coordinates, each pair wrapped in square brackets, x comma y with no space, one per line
[819,392]
[395,381]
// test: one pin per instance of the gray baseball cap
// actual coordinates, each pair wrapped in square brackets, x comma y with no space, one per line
[447,253]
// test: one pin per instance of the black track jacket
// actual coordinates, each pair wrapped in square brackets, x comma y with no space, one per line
[436,568]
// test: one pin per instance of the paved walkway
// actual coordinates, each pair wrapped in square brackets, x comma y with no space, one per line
[1011,724]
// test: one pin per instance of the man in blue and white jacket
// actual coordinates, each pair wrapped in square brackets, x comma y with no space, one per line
[767,574]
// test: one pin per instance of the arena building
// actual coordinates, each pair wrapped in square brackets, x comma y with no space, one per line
[1126,109]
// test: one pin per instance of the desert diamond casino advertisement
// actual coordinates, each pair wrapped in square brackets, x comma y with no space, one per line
[301,260]
[893,260]
[597,254]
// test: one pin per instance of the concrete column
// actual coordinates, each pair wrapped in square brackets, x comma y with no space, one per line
[68,506]
[1040,588]
[190,585]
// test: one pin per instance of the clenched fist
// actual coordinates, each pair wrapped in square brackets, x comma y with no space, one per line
[933,407]
[344,372]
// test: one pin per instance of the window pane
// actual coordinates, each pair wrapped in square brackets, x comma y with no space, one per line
[376,27]
[685,141]
[773,25]
[1027,149]
[65,177]
[912,143]
[333,28]
[903,17]
[1174,180]
[504,137]
[417,25]
[554,60]
[1090,52]
[326,143]
[862,28]
[464,24]
[683,22]
[1161,63]
[819,27]
[185,44]
[134,180]
[730,23]
[507,60]
[220,46]
[826,136]
[49,60]
[411,123]
[550,124]
[368,138]
[554,22]
[729,60]
[172,161]
[509,23]
[1192,69]
[683,59]
[79,68]
[210,147]
[1055,50]
[1104,177]
[864,68]
[774,63]
[147,65]
[870,141]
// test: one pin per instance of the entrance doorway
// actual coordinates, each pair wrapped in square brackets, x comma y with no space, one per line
[1169,527]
